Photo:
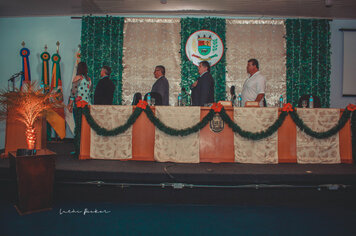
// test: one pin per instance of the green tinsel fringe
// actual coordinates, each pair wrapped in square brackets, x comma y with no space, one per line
[189,72]
[308,59]
[102,44]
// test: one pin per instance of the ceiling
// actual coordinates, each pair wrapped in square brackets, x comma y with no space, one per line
[332,9]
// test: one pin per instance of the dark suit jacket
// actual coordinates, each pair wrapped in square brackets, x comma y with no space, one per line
[203,93]
[161,86]
[104,91]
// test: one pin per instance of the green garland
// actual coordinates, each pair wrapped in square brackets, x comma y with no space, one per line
[321,135]
[113,132]
[177,132]
[189,72]
[308,59]
[236,128]
[102,44]
[250,135]
[132,119]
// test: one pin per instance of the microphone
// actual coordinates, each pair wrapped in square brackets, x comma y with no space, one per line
[14,76]
[232,92]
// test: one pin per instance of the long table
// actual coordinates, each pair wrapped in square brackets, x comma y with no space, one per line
[213,147]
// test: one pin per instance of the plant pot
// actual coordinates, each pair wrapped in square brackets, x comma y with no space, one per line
[34,179]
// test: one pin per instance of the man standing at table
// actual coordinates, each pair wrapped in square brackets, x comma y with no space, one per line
[254,86]
[203,88]
[161,85]
[104,91]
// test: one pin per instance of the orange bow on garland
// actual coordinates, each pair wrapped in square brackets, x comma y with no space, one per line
[287,107]
[217,107]
[351,107]
[142,104]
[81,103]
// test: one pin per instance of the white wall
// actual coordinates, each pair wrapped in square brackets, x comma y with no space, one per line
[336,98]
[36,32]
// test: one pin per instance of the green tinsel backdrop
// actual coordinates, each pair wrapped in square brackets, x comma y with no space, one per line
[101,44]
[308,59]
[189,72]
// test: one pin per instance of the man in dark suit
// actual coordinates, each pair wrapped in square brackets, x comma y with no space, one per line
[203,88]
[161,86]
[104,91]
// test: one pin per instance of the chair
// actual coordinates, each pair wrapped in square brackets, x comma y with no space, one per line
[156,96]
[306,97]
[136,98]
[264,102]
[256,104]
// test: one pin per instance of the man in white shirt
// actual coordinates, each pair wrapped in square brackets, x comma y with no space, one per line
[254,86]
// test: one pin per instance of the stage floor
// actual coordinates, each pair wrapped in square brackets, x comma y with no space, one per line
[70,169]
[203,183]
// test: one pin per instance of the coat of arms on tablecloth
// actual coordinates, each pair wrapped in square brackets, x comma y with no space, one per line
[216,124]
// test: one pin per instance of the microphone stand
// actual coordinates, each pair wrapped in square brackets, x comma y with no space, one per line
[12,80]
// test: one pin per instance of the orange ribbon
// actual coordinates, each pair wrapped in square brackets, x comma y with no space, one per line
[351,107]
[81,103]
[217,107]
[287,107]
[142,104]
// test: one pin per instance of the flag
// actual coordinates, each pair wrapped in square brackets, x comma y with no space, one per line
[55,116]
[26,75]
[69,115]
[45,71]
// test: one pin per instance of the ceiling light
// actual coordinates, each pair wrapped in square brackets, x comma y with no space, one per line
[328,3]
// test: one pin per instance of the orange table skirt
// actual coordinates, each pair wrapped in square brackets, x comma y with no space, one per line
[143,142]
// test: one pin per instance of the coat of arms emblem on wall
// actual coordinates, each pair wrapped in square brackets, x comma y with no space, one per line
[204,45]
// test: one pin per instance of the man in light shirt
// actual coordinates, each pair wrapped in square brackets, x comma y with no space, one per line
[254,86]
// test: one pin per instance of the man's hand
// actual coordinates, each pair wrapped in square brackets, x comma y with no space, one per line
[194,84]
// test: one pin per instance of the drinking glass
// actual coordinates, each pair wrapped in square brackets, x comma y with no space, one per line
[304,103]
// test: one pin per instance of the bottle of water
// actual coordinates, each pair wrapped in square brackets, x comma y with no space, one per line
[311,102]
[281,101]
[149,99]
[189,102]
[239,100]
[179,99]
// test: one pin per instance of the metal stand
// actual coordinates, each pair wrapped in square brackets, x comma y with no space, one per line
[12,81]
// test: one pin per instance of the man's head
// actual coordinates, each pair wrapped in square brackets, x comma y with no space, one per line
[252,66]
[203,67]
[159,71]
[105,71]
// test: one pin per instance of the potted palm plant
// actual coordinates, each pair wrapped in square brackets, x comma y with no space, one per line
[33,169]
